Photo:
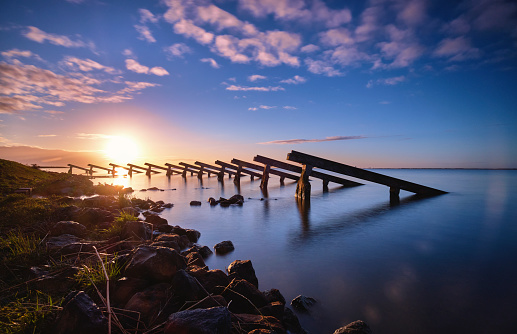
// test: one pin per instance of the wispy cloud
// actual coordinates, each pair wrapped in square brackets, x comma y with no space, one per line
[44,136]
[211,61]
[177,50]
[294,80]
[258,89]
[302,141]
[135,66]
[386,81]
[256,77]
[15,53]
[144,33]
[93,136]
[262,107]
[40,36]
[87,65]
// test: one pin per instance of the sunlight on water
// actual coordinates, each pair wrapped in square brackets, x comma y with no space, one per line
[418,267]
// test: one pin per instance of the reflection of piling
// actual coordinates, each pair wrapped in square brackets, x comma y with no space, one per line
[304,210]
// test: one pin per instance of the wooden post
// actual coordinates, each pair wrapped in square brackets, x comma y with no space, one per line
[169,171]
[220,175]
[70,170]
[303,188]
[130,172]
[265,177]
[394,195]
[325,186]
[237,179]
[200,173]
[282,180]
[184,174]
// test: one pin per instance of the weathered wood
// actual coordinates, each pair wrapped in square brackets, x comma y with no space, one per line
[148,170]
[363,174]
[233,167]
[258,167]
[87,170]
[197,169]
[183,169]
[303,187]
[169,169]
[99,167]
[123,167]
[315,174]
[265,177]
[216,170]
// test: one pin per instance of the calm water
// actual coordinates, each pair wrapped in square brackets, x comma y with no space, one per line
[446,264]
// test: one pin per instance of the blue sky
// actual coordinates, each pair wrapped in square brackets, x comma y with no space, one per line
[398,83]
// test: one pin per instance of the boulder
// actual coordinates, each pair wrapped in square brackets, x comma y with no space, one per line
[195,203]
[155,220]
[236,199]
[211,280]
[274,295]
[186,287]
[182,240]
[291,322]
[356,327]
[80,315]
[244,297]
[56,243]
[243,270]
[212,201]
[137,230]
[91,217]
[68,227]
[195,259]
[303,303]
[58,283]
[274,309]
[151,302]
[204,251]
[125,288]
[192,235]
[164,228]
[224,247]
[250,322]
[200,321]
[213,301]
[131,211]
[157,264]
[169,244]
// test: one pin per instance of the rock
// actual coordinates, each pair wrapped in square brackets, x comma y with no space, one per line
[224,247]
[127,190]
[99,201]
[179,230]
[168,205]
[182,240]
[250,322]
[212,201]
[236,199]
[211,280]
[274,295]
[291,322]
[91,217]
[238,289]
[153,188]
[224,202]
[243,270]
[169,244]
[356,327]
[80,315]
[56,243]
[67,212]
[193,235]
[158,264]
[195,259]
[200,321]
[164,228]
[84,249]
[130,211]
[274,309]
[68,227]
[125,288]
[150,302]
[186,287]
[137,230]
[204,251]
[303,303]
[213,301]
[195,203]
[58,283]
[156,220]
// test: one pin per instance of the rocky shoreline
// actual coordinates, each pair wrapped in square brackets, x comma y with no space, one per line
[164,285]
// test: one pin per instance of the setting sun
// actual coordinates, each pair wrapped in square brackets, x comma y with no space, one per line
[121,150]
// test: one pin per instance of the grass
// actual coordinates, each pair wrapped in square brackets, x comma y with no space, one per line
[14,175]
[117,227]
[92,276]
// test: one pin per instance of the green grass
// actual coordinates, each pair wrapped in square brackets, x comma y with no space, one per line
[14,175]
[117,227]
[92,276]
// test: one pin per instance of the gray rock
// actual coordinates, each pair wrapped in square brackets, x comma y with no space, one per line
[224,247]
[80,315]
[200,321]
[356,327]
[137,230]
[303,303]
[150,302]
[195,203]
[68,227]
[156,220]
[158,264]
[243,270]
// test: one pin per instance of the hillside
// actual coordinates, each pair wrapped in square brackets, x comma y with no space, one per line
[14,175]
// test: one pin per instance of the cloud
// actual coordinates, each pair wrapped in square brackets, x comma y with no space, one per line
[256,77]
[403,49]
[45,136]
[86,65]
[456,49]
[93,136]
[145,33]
[40,36]
[15,53]
[321,67]
[134,66]
[386,81]
[297,10]
[258,89]
[54,112]
[189,29]
[310,48]
[221,19]
[147,16]
[177,50]
[302,141]
[289,107]
[335,37]
[27,87]
[294,80]
[211,61]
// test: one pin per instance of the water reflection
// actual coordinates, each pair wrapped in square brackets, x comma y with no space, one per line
[304,208]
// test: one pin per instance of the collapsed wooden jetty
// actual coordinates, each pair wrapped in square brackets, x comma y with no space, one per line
[264,167]
[309,162]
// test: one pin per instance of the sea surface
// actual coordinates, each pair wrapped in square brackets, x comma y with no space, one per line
[446,264]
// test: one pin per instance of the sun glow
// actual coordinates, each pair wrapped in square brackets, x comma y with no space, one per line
[121,150]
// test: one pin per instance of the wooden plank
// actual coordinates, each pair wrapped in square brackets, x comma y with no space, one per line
[161,167]
[233,167]
[79,167]
[148,169]
[99,167]
[363,174]
[123,167]
[215,169]
[298,169]
[182,168]
[271,171]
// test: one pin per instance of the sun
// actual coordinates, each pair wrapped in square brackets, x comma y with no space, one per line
[121,150]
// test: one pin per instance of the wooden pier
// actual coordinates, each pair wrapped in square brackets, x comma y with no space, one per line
[266,170]
[169,169]
[114,166]
[395,185]
[87,170]
[217,170]
[238,171]
[183,169]
[148,170]
[113,171]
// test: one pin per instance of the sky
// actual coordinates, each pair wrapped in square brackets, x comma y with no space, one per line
[379,83]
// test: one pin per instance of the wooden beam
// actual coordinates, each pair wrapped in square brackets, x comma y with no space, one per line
[184,169]
[199,169]
[148,169]
[87,170]
[233,167]
[169,169]
[216,170]
[99,167]
[271,171]
[123,167]
[363,174]
[298,169]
